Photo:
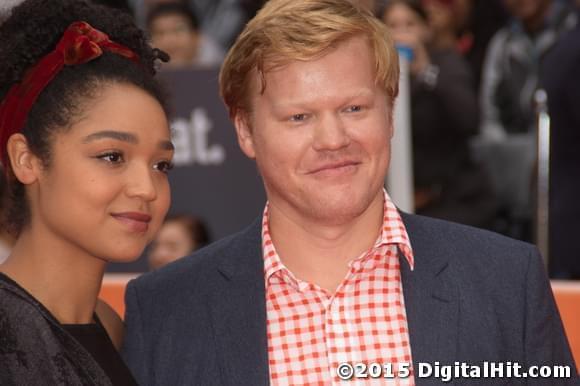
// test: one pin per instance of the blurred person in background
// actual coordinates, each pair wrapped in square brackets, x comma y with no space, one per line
[174,28]
[449,184]
[480,20]
[179,236]
[513,60]
[466,24]
[559,78]
[507,145]
[445,19]
[219,20]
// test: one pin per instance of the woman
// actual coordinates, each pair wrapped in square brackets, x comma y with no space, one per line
[85,144]
[444,115]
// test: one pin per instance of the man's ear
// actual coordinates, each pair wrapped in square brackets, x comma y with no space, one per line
[244,133]
[390,119]
[25,164]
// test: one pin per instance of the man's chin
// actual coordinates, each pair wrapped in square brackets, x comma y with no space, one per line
[338,211]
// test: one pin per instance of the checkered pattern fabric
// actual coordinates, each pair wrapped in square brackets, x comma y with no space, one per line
[311,331]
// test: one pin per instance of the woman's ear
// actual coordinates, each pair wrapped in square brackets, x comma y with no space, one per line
[25,164]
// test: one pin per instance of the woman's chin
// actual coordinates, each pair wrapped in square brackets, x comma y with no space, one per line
[128,255]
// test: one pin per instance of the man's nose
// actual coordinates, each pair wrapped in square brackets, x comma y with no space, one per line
[330,133]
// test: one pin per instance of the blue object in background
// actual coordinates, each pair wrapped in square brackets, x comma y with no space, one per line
[405,52]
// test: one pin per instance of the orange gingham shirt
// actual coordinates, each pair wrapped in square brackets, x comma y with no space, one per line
[311,331]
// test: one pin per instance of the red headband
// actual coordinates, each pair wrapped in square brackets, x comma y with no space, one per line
[79,44]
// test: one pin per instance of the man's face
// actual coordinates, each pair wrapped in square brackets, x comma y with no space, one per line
[320,134]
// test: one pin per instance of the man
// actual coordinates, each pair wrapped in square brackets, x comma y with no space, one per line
[332,273]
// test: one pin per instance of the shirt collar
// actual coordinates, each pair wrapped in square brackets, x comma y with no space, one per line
[393,232]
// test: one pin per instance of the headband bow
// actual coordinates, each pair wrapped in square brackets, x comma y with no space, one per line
[79,44]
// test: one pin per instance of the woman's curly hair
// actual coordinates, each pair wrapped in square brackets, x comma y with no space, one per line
[32,31]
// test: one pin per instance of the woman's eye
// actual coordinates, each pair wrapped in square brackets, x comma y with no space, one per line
[164,166]
[112,157]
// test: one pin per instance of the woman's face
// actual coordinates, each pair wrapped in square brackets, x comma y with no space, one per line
[172,242]
[174,34]
[441,16]
[106,192]
[405,24]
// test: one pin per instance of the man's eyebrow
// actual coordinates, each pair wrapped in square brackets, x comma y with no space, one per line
[344,98]
[111,134]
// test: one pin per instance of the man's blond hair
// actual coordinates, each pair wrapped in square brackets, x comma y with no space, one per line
[287,30]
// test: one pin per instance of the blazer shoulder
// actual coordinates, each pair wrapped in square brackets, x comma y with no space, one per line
[466,243]
[202,263]
[477,263]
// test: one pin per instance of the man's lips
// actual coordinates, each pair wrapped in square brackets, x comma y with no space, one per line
[334,166]
[136,221]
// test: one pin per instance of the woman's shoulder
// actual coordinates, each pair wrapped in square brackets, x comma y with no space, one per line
[34,345]
[27,339]
[19,305]
[15,304]
[23,324]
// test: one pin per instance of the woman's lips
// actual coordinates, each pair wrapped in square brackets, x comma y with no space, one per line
[135,221]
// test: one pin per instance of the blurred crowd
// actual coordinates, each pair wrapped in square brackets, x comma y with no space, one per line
[475,66]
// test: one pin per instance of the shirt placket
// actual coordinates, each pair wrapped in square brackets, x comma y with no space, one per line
[340,344]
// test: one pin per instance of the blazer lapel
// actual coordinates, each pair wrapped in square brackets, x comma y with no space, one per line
[431,299]
[239,312]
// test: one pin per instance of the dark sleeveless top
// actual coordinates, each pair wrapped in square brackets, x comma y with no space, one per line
[94,338]
[36,349]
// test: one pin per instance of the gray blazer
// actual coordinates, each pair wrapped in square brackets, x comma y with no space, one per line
[474,296]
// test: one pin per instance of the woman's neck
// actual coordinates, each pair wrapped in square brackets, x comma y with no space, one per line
[65,279]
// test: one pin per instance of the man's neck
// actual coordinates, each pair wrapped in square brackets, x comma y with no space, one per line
[319,253]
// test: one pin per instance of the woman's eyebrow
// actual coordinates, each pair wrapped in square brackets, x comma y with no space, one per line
[112,134]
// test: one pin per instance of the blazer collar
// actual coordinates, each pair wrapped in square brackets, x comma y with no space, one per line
[431,297]
[238,307]
[244,255]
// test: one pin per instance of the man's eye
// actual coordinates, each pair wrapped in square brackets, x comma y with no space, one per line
[298,117]
[353,109]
